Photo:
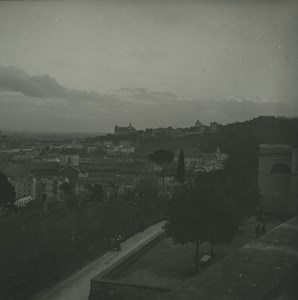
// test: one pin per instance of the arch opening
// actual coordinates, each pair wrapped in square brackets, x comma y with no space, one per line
[280,168]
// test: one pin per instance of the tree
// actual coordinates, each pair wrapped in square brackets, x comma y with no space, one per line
[219,207]
[95,193]
[185,221]
[207,211]
[69,197]
[7,193]
[147,192]
[112,190]
[181,168]
[242,180]
[68,194]
[162,158]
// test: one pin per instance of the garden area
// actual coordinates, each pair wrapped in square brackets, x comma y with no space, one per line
[169,265]
[39,248]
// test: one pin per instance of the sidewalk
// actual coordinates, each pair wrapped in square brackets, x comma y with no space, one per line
[77,286]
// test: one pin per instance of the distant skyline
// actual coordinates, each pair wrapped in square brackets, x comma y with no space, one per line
[88,65]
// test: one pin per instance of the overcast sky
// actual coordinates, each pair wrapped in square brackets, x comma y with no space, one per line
[87,66]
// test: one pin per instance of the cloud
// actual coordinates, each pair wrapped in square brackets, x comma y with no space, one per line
[13,79]
[32,102]
[140,94]
[16,80]
[147,56]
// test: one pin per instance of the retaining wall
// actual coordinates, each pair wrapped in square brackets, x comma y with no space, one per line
[103,287]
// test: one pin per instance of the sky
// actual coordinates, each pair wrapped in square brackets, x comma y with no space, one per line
[89,65]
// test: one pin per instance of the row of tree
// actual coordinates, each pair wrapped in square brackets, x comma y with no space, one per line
[7,192]
[210,210]
[214,206]
[39,245]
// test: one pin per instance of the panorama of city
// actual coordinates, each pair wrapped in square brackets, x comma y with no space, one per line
[148,150]
[74,198]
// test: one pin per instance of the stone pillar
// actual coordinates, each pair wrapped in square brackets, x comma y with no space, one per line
[293,194]
[295,160]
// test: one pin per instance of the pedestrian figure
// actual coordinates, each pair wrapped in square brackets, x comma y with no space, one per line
[118,242]
[258,230]
[263,228]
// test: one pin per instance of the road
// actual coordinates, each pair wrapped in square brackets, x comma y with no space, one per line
[77,286]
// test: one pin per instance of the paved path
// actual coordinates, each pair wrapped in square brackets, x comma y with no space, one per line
[77,286]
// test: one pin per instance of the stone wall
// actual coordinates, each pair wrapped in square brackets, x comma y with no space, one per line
[109,289]
[278,172]
[102,287]
[264,269]
[275,190]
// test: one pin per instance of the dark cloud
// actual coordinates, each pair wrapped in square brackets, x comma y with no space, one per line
[167,109]
[16,80]
[31,102]
[140,94]
[13,79]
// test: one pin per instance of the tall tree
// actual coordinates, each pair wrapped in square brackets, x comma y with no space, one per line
[69,197]
[181,168]
[218,205]
[96,193]
[162,158]
[208,211]
[147,191]
[185,219]
[7,193]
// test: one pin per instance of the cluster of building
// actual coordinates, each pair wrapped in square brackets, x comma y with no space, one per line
[42,180]
[124,131]
[122,143]
[198,128]
[37,167]
[205,162]
[50,151]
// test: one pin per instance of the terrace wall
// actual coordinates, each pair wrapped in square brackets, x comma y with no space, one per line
[102,287]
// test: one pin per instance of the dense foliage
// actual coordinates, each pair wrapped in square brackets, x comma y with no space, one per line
[162,158]
[38,246]
[180,177]
[210,210]
[7,193]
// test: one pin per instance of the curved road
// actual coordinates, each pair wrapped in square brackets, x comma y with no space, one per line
[77,286]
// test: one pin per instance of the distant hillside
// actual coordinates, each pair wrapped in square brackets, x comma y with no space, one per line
[240,140]
[263,129]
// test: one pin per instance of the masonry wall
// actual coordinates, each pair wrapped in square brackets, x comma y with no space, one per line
[292,208]
[275,191]
[108,289]
[279,191]
[264,269]
[266,162]
[103,287]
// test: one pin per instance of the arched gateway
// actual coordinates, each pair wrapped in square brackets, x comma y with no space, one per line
[278,178]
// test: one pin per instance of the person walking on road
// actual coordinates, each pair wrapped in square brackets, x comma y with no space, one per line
[118,242]
[263,228]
